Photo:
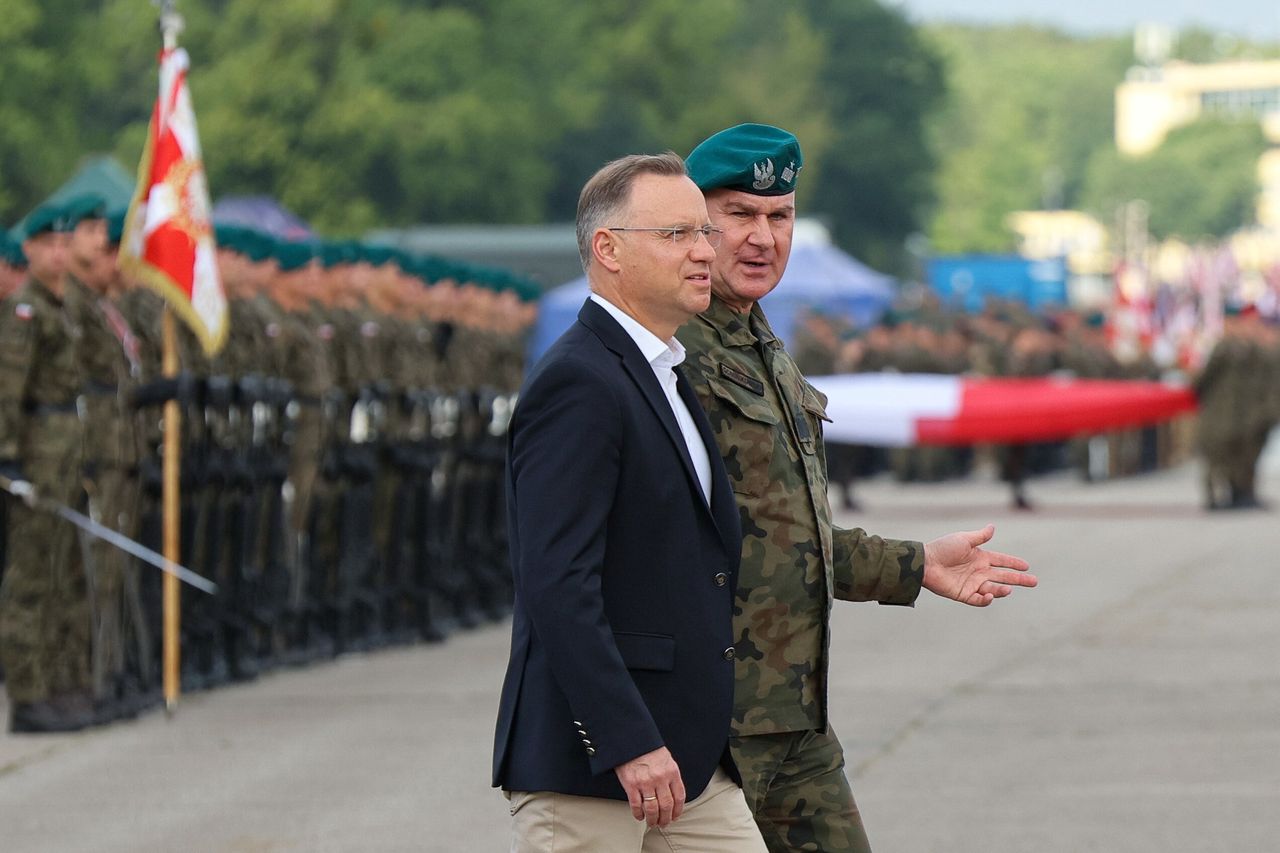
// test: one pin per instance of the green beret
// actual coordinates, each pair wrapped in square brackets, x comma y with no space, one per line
[257,246]
[294,256]
[11,250]
[377,255]
[47,217]
[753,158]
[337,252]
[529,291]
[115,225]
[227,236]
[84,206]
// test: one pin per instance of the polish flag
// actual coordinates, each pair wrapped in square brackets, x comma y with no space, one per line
[168,237]
[907,409]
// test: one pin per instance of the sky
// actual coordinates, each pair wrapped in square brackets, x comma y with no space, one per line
[1257,19]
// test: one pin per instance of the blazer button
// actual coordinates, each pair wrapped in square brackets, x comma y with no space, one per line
[591,750]
[730,653]
[721,579]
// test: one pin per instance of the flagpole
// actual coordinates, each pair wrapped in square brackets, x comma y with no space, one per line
[172,458]
[170,26]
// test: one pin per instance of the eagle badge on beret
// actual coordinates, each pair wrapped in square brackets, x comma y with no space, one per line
[764,175]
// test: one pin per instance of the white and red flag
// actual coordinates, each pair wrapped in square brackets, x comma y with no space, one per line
[906,409]
[168,237]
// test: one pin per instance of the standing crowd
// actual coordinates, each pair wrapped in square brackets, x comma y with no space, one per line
[1238,389]
[340,459]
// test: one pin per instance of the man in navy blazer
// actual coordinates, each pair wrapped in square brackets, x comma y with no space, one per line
[625,544]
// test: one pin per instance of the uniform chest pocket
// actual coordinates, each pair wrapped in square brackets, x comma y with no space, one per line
[746,429]
[814,404]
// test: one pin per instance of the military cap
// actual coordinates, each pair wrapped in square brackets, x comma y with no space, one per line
[227,236]
[257,246]
[84,206]
[377,255]
[47,217]
[11,250]
[753,158]
[337,252]
[115,225]
[293,256]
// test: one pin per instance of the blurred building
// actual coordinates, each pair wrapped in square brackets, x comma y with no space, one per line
[1077,237]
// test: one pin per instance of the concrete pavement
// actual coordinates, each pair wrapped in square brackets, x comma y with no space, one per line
[1130,704]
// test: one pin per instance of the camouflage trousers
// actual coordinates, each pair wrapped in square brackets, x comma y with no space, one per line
[797,789]
[119,624]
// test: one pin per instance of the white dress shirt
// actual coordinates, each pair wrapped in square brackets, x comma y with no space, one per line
[663,358]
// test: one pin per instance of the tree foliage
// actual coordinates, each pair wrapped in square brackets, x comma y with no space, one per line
[1028,109]
[1202,182]
[358,113]
[1029,125]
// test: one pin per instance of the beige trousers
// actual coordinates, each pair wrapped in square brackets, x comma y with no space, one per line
[718,821]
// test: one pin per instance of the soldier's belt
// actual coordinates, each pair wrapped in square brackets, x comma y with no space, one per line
[42,409]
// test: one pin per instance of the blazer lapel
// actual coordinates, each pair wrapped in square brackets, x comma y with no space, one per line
[641,372]
[724,507]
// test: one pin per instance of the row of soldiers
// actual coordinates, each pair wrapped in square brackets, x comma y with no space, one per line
[1005,339]
[340,459]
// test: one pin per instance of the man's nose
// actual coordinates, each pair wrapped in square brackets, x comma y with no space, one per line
[702,249]
[761,234]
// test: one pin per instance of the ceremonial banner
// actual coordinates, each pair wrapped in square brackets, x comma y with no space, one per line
[168,237]
[906,409]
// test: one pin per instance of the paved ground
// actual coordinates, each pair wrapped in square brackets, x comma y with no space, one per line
[1130,704]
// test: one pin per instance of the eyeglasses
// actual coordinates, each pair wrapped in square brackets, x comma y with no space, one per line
[682,235]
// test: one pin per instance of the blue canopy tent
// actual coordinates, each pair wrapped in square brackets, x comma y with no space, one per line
[819,275]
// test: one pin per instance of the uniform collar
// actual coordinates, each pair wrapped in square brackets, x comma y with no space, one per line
[734,329]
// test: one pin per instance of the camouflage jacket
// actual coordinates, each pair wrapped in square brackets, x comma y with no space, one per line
[1226,396]
[109,427]
[40,376]
[768,425]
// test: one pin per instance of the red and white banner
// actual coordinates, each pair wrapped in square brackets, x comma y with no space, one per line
[906,409]
[168,237]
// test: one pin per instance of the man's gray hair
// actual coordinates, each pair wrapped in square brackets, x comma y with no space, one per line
[605,195]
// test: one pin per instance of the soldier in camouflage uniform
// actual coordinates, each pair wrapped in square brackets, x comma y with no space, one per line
[1224,389]
[305,367]
[44,603]
[768,425]
[109,360]
[13,271]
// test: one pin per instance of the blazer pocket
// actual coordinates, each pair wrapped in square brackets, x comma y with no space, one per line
[646,651]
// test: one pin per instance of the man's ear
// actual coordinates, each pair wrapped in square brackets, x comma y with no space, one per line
[604,249]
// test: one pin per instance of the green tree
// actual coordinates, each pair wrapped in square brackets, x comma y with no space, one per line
[878,82]
[1028,109]
[38,119]
[1201,182]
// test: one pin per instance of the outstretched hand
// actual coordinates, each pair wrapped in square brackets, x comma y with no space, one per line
[956,566]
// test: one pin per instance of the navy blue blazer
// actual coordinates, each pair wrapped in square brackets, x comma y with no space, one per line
[622,636]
